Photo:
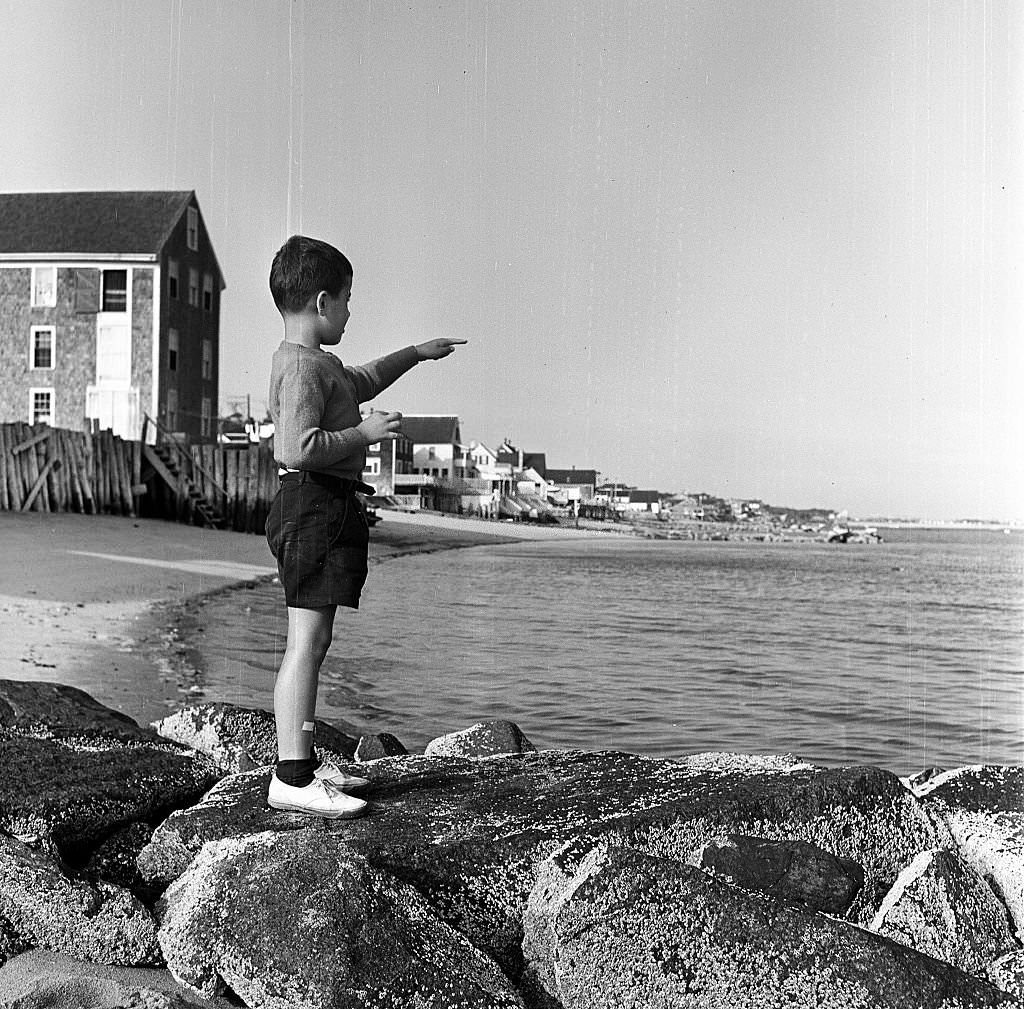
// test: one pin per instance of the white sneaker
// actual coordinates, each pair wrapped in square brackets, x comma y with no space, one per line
[334,775]
[319,798]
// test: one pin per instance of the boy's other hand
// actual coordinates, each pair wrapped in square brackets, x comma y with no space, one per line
[381,426]
[434,350]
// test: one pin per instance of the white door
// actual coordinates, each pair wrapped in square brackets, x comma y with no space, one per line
[113,400]
[113,355]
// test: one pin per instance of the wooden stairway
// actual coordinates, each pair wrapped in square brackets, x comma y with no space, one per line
[164,460]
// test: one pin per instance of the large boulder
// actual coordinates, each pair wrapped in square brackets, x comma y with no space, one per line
[942,907]
[43,906]
[299,920]
[239,739]
[468,834]
[617,927]
[56,711]
[485,739]
[983,809]
[797,871]
[76,792]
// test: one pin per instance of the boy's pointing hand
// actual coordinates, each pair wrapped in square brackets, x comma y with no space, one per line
[381,427]
[434,350]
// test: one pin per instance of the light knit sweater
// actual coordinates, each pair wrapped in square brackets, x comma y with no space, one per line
[314,403]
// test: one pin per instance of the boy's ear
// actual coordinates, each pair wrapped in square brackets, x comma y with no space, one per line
[320,304]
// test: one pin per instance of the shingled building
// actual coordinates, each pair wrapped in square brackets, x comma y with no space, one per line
[109,311]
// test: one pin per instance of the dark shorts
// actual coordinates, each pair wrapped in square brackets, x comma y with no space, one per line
[318,532]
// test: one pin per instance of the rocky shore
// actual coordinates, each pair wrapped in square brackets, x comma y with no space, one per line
[141,866]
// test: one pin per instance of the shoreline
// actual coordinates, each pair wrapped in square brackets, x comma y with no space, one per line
[90,600]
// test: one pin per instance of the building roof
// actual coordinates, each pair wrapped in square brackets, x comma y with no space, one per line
[89,222]
[431,429]
[644,496]
[572,477]
[537,461]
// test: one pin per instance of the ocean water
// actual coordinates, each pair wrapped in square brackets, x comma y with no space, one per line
[904,654]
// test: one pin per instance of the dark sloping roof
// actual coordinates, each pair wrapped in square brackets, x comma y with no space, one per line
[644,496]
[89,222]
[536,460]
[572,476]
[431,430]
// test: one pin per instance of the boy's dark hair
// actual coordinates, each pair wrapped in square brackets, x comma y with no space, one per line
[302,268]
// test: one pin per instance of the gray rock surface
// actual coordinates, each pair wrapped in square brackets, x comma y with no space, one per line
[468,834]
[43,906]
[240,739]
[343,934]
[792,870]
[983,809]
[617,928]
[1007,973]
[56,711]
[942,907]
[377,745]
[485,739]
[76,792]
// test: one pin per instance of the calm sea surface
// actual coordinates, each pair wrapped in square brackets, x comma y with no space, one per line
[903,654]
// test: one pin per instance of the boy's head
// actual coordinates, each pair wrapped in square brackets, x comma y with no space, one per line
[302,268]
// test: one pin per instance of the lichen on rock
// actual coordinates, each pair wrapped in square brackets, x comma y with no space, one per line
[617,927]
[239,739]
[44,906]
[330,931]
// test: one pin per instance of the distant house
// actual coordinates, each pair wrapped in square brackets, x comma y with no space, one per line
[480,460]
[644,501]
[109,309]
[573,484]
[613,495]
[437,445]
[386,462]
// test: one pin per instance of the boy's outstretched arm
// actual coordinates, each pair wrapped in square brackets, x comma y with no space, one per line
[434,350]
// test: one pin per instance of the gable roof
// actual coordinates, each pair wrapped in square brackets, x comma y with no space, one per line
[644,496]
[572,477]
[89,222]
[537,461]
[431,430]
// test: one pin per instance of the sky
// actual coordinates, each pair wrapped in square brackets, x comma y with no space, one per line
[759,249]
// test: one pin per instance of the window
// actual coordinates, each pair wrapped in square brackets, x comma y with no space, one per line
[172,349]
[44,286]
[40,406]
[207,292]
[207,413]
[193,288]
[192,229]
[208,359]
[172,279]
[41,348]
[172,409]
[114,296]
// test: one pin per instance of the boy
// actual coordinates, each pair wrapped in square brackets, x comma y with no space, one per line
[317,528]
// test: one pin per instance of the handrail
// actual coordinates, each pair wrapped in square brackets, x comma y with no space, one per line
[180,449]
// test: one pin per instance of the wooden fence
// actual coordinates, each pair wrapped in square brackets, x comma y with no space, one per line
[48,469]
[239,483]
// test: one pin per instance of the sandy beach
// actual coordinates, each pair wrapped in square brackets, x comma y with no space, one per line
[80,594]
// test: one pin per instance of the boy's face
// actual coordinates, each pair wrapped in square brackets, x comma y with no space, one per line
[334,315]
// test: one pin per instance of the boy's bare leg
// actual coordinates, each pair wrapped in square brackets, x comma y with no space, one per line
[309,637]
